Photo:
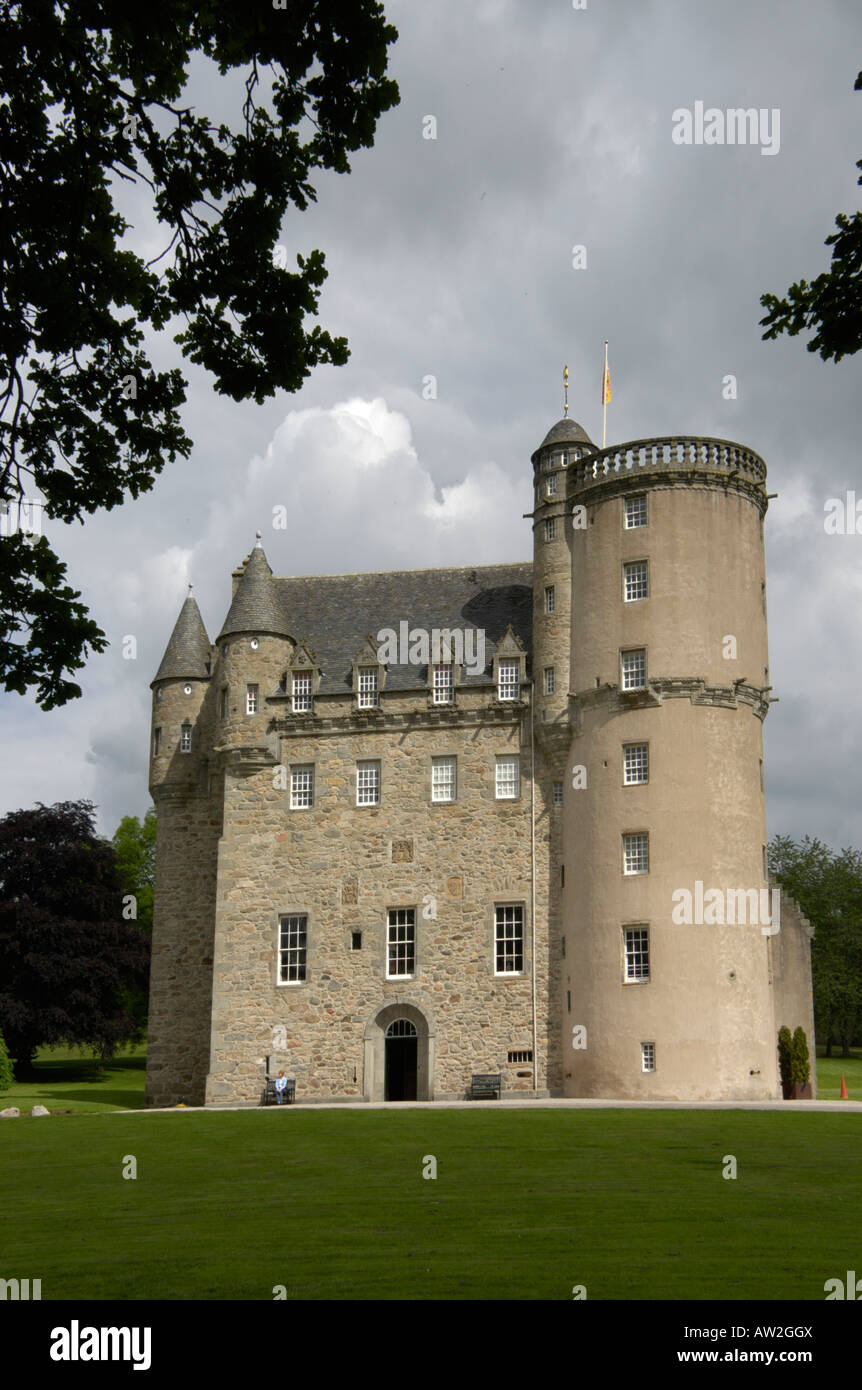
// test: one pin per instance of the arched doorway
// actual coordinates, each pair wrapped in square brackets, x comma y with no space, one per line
[402,1047]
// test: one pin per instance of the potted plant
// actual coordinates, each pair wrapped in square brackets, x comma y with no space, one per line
[785,1061]
[801,1067]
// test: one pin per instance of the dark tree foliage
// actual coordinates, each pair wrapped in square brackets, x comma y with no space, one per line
[831,304]
[90,100]
[67,957]
[828,888]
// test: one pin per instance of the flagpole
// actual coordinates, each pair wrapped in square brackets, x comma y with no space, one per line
[605,396]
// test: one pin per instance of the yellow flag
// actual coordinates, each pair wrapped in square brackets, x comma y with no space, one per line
[606,387]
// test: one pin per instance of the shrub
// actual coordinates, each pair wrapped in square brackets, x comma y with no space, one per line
[785,1056]
[7,1075]
[801,1065]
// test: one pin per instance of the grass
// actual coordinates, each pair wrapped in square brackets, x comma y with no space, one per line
[68,1080]
[830,1071]
[526,1204]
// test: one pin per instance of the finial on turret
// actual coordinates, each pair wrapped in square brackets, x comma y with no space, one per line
[191,590]
[257,544]
[565,392]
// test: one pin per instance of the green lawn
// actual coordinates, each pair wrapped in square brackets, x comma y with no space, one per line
[526,1204]
[829,1072]
[68,1080]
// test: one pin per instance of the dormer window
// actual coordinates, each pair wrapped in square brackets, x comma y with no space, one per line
[443,684]
[368,687]
[302,692]
[508,684]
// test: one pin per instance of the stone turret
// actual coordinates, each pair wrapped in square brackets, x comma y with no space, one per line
[254,650]
[179,693]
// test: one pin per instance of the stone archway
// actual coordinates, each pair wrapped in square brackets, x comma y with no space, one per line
[374,1087]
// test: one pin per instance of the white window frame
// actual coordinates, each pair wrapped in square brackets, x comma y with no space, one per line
[551,529]
[647,1056]
[551,489]
[368,687]
[302,786]
[508,679]
[635,581]
[635,853]
[509,915]
[635,761]
[557,794]
[401,942]
[292,948]
[632,514]
[550,679]
[444,779]
[368,782]
[252,693]
[301,688]
[636,955]
[444,683]
[507,777]
[625,683]
[185,738]
[550,598]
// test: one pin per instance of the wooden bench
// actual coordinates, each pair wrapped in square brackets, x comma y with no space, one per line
[486,1086]
[269,1098]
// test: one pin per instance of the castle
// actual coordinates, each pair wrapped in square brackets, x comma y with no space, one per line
[507,819]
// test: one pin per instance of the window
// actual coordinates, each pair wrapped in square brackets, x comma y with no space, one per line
[368,784]
[564,460]
[301,787]
[550,529]
[356,941]
[224,700]
[401,953]
[552,484]
[251,699]
[508,684]
[157,743]
[636,853]
[509,939]
[549,680]
[633,669]
[443,684]
[637,953]
[635,512]
[761,775]
[508,778]
[635,763]
[558,793]
[521,1055]
[186,738]
[302,693]
[367,687]
[291,950]
[647,1056]
[550,599]
[635,580]
[443,779]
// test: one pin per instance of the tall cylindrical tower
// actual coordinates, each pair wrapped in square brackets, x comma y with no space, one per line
[664,837]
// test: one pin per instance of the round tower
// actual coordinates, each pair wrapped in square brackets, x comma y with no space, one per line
[254,649]
[666,915]
[178,737]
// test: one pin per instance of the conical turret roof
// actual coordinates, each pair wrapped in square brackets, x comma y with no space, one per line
[188,651]
[255,606]
[566,431]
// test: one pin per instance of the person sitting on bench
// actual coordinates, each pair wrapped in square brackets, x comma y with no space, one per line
[280,1088]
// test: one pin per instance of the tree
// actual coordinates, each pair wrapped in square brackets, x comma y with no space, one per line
[832,304]
[134,844]
[800,1065]
[785,1058]
[828,888]
[7,1076]
[91,103]
[67,957]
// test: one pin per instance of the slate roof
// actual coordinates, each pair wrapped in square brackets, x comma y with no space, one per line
[255,606]
[566,431]
[188,651]
[335,612]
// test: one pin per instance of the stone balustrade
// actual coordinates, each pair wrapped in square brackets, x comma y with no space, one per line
[677,453]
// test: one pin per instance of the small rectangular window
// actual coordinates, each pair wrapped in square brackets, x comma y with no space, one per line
[648,1056]
[633,664]
[520,1055]
[635,580]
[368,687]
[550,529]
[509,939]
[549,680]
[443,779]
[508,681]
[401,942]
[157,742]
[301,693]
[356,941]
[508,781]
[550,598]
[635,512]
[552,485]
[301,787]
[636,853]
[251,693]
[186,738]
[223,703]
[443,684]
[637,953]
[292,948]
[558,793]
[368,783]
[635,763]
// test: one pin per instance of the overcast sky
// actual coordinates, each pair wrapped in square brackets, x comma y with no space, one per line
[452,257]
